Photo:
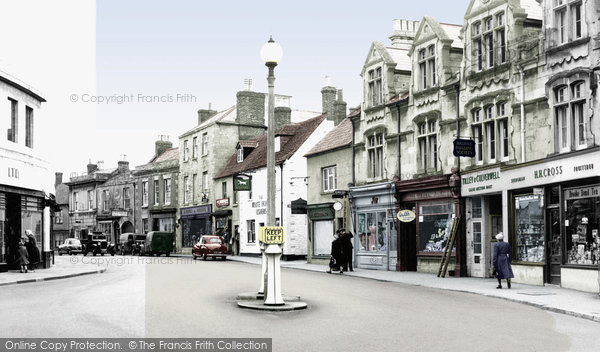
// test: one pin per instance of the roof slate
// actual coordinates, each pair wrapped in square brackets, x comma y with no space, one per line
[258,157]
[339,137]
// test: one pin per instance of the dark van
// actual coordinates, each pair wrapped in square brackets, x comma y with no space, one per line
[158,242]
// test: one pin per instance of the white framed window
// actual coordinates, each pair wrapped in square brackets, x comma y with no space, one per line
[427,141]
[194,147]
[375,152]
[194,190]
[186,189]
[204,144]
[489,42]
[375,87]
[427,69]
[186,150]
[90,199]
[329,178]
[502,120]
[75,203]
[476,129]
[240,154]
[12,133]
[571,122]
[167,191]
[58,217]
[205,181]
[106,199]
[156,192]
[568,20]
[145,193]
[251,230]
[126,199]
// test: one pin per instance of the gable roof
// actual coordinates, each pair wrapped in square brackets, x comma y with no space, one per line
[339,137]
[381,50]
[443,31]
[169,154]
[228,114]
[400,57]
[531,8]
[297,134]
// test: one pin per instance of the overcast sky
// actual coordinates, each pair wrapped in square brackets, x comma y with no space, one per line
[189,54]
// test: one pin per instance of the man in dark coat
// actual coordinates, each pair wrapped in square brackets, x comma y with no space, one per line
[501,260]
[347,250]
[337,254]
[33,251]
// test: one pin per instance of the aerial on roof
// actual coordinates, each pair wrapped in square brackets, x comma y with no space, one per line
[295,134]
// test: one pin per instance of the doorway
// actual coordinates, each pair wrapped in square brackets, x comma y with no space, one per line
[554,245]
[407,243]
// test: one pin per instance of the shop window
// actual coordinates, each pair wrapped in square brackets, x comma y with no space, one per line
[582,225]
[372,231]
[322,237]
[435,225]
[529,223]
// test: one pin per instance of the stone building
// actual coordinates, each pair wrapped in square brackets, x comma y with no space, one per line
[25,178]
[386,75]
[155,185]
[60,226]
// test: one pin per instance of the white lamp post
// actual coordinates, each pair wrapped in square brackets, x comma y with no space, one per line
[271,54]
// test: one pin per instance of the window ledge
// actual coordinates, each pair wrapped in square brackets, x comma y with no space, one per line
[567,45]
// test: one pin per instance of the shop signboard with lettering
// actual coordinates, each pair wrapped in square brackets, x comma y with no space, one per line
[464,147]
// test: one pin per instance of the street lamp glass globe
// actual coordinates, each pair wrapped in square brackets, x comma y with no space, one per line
[271,52]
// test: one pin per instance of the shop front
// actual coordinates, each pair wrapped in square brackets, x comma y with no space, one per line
[195,222]
[422,241]
[163,219]
[321,219]
[374,218]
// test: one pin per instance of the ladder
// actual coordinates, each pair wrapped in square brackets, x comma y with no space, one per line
[448,248]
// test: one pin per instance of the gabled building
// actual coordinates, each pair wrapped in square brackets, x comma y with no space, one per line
[329,166]
[155,189]
[386,74]
[428,125]
[292,142]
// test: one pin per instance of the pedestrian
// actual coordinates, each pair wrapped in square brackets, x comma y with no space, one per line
[336,260]
[33,252]
[502,259]
[347,248]
[22,260]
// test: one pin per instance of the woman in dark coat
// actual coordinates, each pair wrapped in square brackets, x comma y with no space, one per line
[502,259]
[347,250]
[337,254]
[33,251]
[22,260]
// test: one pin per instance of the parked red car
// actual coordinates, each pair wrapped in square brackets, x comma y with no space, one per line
[210,246]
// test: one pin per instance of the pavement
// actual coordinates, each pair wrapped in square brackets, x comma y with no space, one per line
[549,297]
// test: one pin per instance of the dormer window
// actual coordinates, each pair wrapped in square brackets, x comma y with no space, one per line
[427,70]
[375,87]
[277,144]
[240,154]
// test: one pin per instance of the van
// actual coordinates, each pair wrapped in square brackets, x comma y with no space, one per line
[158,242]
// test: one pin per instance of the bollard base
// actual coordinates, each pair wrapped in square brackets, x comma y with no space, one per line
[259,305]
[253,296]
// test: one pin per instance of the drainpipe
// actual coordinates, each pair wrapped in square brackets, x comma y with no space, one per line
[522,113]
[281,194]
[353,156]
[399,154]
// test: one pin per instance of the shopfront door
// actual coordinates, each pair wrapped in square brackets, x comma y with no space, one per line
[554,246]
[393,246]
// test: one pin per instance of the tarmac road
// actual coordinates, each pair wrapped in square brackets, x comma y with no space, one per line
[178,297]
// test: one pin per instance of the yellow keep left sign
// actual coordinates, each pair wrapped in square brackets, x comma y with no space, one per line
[271,234]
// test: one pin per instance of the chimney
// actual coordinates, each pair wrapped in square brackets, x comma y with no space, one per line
[250,110]
[328,98]
[339,108]
[161,145]
[58,178]
[91,168]
[404,33]
[205,114]
[123,166]
[283,116]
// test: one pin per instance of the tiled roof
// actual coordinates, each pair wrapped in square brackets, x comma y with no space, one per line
[354,113]
[533,9]
[225,115]
[400,57]
[169,154]
[453,32]
[339,137]
[258,157]
[396,98]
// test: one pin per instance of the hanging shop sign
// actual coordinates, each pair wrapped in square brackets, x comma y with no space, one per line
[242,182]
[464,147]
[406,215]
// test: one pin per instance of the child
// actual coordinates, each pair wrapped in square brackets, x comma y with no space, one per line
[22,259]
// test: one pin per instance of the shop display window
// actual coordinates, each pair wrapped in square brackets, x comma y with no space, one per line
[582,220]
[435,225]
[372,232]
[529,224]
[322,237]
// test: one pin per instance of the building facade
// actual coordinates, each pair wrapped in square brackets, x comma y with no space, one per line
[60,227]
[25,178]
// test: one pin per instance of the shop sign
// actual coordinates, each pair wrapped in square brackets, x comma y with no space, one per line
[199,210]
[480,182]
[464,147]
[119,213]
[321,212]
[582,192]
[242,183]
[222,202]
[271,234]
[406,215]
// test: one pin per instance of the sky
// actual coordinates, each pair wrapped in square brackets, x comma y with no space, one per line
[117,74]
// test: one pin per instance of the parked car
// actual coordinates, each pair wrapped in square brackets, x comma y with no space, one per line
[138,245]
[210,246]
[97,243]
[70,246]
[157,243]
[126,243]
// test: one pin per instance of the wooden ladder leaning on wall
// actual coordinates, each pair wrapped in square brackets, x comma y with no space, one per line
[448,248]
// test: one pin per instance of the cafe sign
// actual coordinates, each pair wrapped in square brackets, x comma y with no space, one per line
[406,215]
